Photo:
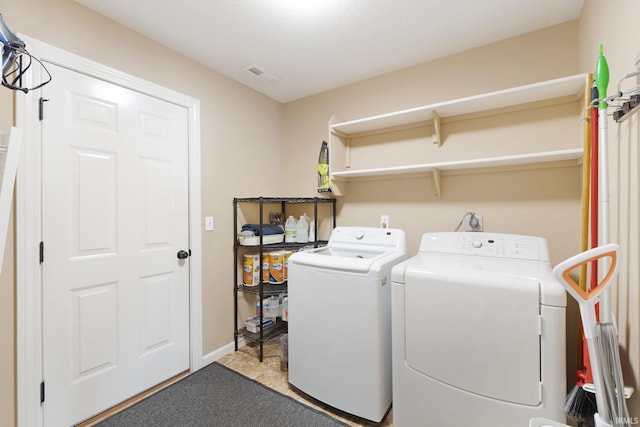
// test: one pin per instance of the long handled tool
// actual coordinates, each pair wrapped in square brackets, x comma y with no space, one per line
[580,405]
[594,204]
[602,81]
[587,301]
[613,387]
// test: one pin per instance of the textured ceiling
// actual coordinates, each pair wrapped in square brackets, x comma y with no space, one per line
[316,45]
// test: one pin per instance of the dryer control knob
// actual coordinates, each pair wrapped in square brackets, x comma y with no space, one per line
[476,244]
[360,235]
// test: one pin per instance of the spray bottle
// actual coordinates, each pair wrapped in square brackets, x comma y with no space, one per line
[323,169]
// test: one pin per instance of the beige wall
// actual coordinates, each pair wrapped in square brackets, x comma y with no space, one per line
[512,202]
[612,25]
[242,131]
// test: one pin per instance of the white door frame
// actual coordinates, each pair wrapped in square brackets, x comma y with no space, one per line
[28,220]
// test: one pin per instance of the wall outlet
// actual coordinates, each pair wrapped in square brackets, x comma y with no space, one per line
[384,221]
[276,218]
[473,222]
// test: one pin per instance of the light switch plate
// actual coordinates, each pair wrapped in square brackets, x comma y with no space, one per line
[208,223]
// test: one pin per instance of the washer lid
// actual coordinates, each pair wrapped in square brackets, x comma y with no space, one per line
[337,259]
[479,334]
[356,249]
[355,260]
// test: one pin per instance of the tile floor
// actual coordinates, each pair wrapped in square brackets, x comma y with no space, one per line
[245,361]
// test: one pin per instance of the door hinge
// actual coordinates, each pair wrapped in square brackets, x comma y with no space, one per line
[41,252]
[42,392]
[540,325]
[41,102]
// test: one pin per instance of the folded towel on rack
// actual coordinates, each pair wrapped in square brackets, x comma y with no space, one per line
[266,229]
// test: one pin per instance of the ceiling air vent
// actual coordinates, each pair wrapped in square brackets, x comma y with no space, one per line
[261,73]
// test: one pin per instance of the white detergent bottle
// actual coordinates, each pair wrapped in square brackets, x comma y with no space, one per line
[302,230]
[290,230]
[312,231]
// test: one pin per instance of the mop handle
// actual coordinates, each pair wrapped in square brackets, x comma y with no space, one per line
[603,197]
[594,205]
[601,75]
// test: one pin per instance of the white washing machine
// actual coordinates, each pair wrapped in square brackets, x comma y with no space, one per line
[340,320]
[478,333]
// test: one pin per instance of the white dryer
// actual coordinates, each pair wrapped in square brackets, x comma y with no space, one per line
[478,325]
[340,320]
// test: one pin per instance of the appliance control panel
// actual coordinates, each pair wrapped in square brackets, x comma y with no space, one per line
[496,245]
[381,238]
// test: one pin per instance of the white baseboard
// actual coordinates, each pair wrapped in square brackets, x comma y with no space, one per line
[209,358]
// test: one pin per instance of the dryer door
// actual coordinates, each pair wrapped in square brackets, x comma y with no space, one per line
[476,332]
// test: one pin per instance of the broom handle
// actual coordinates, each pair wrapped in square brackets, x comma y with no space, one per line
[593,212]
[583,368]
[586,178]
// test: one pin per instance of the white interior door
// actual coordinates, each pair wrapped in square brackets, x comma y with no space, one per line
[114,216]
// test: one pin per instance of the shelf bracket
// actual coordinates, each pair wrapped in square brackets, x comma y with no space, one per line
[436,182]
[347,153]
[437,135]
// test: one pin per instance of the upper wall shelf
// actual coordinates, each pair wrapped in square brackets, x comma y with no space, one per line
[566,86]
[570,88]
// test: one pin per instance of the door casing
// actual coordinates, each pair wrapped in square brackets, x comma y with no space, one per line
[28,220]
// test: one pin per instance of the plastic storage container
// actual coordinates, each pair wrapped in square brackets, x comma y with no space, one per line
[272,307]
[253,323]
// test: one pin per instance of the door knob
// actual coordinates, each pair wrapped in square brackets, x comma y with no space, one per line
[183,254]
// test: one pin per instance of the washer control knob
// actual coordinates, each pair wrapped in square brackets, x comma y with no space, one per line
[359,235]
[476,244]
